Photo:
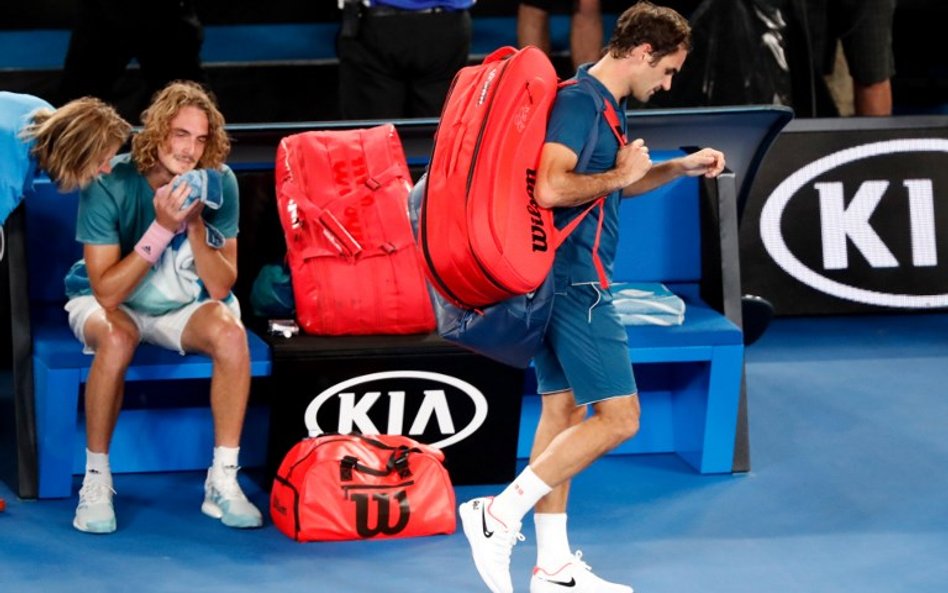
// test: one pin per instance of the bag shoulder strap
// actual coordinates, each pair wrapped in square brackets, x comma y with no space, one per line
[605,109]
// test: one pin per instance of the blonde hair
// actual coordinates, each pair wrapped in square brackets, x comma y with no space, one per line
[156,120]
[72,141]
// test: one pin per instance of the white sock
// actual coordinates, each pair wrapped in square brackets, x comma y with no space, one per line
[519,497]
[225,457]
[552,542]
[98,463]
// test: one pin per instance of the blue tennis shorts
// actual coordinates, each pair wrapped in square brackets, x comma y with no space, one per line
[586,347]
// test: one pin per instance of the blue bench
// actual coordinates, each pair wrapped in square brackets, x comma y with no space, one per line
[163,426]
[690,375]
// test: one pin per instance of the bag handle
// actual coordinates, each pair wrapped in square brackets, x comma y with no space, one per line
[397,462]
[501,53]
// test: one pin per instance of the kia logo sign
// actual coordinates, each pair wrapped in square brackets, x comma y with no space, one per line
[401,402]
[845,224]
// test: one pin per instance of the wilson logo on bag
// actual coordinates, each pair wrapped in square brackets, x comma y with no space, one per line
[343,487]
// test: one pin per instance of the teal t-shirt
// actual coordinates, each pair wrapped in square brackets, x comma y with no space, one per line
[576,110]
[118,208]
[18,166]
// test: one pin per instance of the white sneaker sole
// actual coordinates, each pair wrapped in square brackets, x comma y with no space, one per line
[211,509]
[95,527]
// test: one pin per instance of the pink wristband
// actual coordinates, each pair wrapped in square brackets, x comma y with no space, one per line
[153,242]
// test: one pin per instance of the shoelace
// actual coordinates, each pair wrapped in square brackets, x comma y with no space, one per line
[578,560]
[226,483]
[95,492]
[506,540]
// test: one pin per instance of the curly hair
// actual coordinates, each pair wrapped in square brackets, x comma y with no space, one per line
[663,28]
[156,120]
[72,141]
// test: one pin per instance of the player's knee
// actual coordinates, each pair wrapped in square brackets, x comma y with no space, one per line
[629,428]
[621,420]
[117,344]
[228,338]
[623,428]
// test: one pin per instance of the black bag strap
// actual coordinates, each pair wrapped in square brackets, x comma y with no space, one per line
[397,460]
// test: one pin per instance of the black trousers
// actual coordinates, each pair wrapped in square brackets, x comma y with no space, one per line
[165,36]
[401,65]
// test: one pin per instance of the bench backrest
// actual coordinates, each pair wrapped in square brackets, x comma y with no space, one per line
[659,233]
[51,246]
[660,238]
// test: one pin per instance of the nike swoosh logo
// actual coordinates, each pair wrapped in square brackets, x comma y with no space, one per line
[487,533]
[569,583]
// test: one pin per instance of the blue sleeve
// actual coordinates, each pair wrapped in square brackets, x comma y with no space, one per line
[226,218]
[17,165]
[97,220]
[571,120]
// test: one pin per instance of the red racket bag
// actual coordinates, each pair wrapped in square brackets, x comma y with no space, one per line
[482,234]
[342,197]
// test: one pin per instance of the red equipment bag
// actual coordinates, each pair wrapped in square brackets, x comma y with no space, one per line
[483,236]
[345,487]
[342,197]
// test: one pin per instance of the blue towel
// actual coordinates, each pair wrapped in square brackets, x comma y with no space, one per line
[206,186]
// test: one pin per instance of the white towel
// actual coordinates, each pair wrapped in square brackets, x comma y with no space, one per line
[647,303]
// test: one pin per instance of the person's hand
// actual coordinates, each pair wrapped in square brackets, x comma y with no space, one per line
[633,162]
[707,161]
[168,201]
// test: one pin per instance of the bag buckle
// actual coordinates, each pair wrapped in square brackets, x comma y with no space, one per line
[346,465]
[399,462]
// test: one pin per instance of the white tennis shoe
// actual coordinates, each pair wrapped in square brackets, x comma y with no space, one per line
[491,543]
[573,577]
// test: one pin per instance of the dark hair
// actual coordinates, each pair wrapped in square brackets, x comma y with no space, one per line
[663,28]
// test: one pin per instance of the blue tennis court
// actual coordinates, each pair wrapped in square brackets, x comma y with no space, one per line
[848,490]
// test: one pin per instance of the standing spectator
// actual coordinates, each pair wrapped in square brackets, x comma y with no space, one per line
[156,270]
[585,33]
[864,29]
[584,361]
[164,36]
[397,58]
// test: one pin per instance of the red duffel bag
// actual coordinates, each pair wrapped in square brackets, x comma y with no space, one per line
[345,487]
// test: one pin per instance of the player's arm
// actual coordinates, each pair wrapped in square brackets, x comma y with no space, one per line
[217,268]
[559,185]
[707,162]
[112,277]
